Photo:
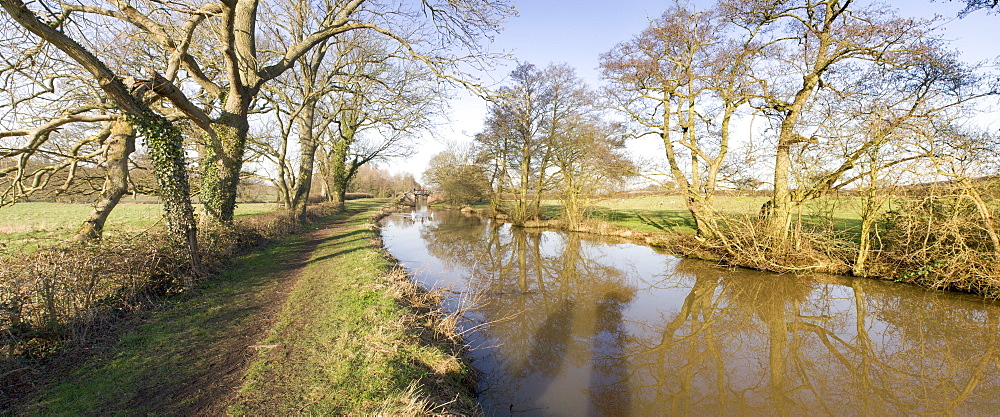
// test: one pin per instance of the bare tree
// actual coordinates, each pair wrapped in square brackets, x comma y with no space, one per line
[817,52]
[294,97]
[517,136]
[544,133]
[55,140]
[682,80]
[381,103]
[584,150]
[874,129]
[456,174]
[589,159]
[163,139]
[231,80]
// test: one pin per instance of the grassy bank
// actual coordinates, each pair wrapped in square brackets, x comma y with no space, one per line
[938,238]
[668,213]
[355,337]
[318,324]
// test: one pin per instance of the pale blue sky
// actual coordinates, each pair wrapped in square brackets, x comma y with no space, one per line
[578,31]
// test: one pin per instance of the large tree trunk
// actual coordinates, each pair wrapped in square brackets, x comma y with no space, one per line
[221,165]
[285,190]
[338,193]
[307,145]
[166,147]
[860,267]
[120,144]
[223,156]
[704,219]
[779,218]
[779,212]
[700,211]
[571,203]
[339,174]
[536,202]
[499,186]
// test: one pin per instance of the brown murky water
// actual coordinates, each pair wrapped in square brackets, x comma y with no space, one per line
[581,326]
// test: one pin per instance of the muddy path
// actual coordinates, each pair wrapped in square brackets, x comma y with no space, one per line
[229,354]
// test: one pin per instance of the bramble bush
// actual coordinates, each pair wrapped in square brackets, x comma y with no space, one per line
[60,294]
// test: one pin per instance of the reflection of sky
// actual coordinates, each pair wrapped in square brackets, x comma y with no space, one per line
[780,343]
[402,239]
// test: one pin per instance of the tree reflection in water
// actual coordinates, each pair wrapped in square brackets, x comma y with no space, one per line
[582,327]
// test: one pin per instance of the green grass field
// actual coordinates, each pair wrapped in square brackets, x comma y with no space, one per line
[27,225]
[669,213]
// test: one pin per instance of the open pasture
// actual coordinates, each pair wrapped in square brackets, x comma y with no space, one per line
[27,225]
[669,212]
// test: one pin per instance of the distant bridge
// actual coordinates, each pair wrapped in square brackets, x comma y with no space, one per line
[416,192]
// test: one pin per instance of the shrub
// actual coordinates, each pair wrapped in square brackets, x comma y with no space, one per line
[745,241]
[938,241]
[57,294]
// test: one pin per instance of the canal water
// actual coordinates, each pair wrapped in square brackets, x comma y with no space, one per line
[567,324]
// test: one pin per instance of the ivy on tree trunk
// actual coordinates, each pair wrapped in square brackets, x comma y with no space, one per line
[166,150]
[221,164]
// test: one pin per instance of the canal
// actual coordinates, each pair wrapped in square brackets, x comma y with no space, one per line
[571,324]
